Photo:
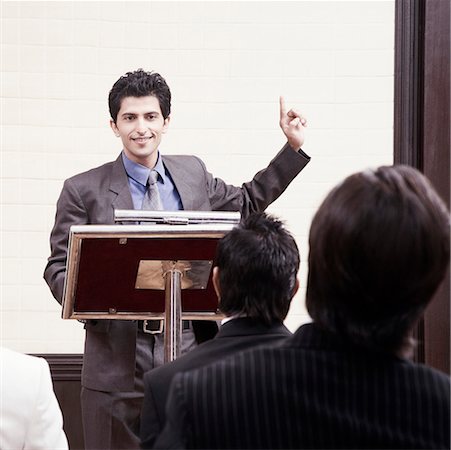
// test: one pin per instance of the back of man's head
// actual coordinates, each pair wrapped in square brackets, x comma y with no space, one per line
[140,84]
[379,248]
[257,262]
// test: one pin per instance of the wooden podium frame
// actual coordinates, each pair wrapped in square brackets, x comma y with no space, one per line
[159,271]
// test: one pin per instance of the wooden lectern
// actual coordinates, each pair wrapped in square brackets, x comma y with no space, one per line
[158,266]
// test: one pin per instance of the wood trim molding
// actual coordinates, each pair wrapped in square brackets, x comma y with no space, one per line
[409,82]
[64,367]
[408,100]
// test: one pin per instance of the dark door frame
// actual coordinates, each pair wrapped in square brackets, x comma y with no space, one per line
[422,134]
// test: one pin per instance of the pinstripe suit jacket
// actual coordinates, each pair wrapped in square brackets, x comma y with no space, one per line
[234,336]
[91,198]
[313,391]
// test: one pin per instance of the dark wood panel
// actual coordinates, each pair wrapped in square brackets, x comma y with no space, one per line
[422,134]
[436,163]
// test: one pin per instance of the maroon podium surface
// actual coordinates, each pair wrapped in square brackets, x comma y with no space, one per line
[117,271]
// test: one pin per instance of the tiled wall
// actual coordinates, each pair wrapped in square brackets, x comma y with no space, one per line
[226,63]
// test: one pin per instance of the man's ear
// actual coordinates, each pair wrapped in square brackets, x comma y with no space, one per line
[215,279]
[114,128]
[166,124]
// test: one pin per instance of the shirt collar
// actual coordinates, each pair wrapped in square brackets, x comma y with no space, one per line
[141,173]
[229,318]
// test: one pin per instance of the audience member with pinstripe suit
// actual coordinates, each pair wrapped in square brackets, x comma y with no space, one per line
[255,279]
[379,248]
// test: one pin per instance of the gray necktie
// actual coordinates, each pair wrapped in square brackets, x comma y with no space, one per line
[152,200]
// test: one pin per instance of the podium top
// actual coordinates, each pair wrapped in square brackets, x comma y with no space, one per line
[112,270]
[177,217]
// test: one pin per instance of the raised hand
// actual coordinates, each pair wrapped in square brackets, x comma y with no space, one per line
[293,125]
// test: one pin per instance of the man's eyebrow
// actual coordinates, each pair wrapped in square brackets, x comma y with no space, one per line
[130,113]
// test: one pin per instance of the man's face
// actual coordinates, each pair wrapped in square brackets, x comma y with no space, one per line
[140,125]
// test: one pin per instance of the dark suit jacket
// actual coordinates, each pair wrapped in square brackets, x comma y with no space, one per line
[234,336]
[91,198]
[312,391]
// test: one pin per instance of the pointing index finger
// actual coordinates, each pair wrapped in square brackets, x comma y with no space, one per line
[283,109]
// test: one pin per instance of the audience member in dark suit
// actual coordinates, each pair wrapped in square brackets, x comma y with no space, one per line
[255,279]
[379,248]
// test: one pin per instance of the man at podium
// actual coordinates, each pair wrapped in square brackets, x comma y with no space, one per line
[142,178]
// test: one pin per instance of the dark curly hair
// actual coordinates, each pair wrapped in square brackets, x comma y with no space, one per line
[258,262]
[139,84]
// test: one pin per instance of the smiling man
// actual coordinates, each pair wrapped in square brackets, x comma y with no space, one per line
[140,124]
[118,353]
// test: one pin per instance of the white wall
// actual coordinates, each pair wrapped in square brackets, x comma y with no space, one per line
[226,63]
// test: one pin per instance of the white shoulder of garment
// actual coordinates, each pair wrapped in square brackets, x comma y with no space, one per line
[30,415]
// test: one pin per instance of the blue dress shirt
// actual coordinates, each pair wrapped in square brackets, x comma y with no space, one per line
[137,181]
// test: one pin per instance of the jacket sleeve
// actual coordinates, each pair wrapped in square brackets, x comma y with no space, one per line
[266,186]
[69,211]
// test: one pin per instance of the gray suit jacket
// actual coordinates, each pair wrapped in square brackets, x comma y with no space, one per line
[91,198]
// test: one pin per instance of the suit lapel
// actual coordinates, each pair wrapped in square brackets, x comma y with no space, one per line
[119,186]
[183,188]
